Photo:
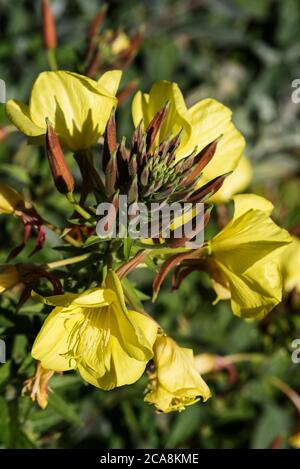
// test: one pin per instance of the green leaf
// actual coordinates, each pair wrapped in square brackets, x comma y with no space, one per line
[131,295]
[65,409]
[187,423]
[273,422]
[4,373]
[127,247]
[4,423]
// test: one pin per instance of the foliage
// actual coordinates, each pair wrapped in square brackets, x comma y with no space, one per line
[245,54]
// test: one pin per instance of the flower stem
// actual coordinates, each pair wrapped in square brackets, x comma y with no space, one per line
[66,237]
[70,260]
[77,207]
[52,59]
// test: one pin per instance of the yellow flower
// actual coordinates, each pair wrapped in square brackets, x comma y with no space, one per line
[9,277]
[96,334]
[290,266]
[78,107]
[201,124]
[245,257]
[175,382]
[236,182]
[9,199]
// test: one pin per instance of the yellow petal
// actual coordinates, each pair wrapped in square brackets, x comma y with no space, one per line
[133,321]
[18,114]
[145,106]
[245,258]
[210,120]
[115,358]
[52,343]
[176,369]
[248,239]
[110,81]
[92,298]
[290,266]
[256,292]
[236,182]
[77,107]
[245,202]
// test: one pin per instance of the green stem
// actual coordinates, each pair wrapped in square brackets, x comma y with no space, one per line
[70,260]
[78,207]
[66,237]
[52,59]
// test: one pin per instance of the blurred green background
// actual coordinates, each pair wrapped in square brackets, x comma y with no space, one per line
[245,54]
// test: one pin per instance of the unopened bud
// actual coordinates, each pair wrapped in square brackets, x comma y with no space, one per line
[49,30]
[62,176]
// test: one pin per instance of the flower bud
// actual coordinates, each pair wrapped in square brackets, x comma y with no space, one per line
[49,30]
[62,176]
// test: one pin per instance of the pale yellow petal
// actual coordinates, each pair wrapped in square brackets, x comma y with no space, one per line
[77,106]
[290,265]
[236,182]
[146,106]
[93,298]
[245,202]
[255,292]
[53,340]
[211,120]
[248,239]
[18,114]
[110,81]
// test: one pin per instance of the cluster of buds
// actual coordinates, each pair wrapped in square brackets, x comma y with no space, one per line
[148,173]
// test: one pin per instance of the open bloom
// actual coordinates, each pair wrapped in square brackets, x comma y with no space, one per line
[201,124]
[290,266]
[9,199]
[245,258]
[9,277]
[96,334]
[175,383]
[78,107]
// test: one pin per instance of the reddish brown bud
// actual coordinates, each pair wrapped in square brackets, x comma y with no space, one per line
[110,140]
[62,176]
[201,160]
[111,175]
[96,23]
[49,30]
[155,125]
